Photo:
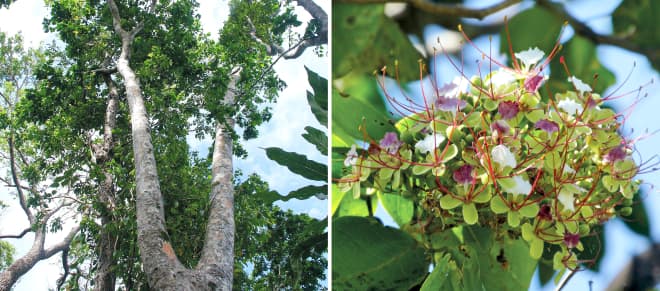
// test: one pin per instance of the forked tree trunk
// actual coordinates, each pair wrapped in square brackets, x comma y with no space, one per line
[160,263]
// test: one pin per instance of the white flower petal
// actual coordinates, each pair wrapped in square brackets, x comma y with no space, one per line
[570,106]
[503,156]
[502,77]
[566,196]
[579,85]
[429,143]
[351,157]
[521,186]
[568,170]
[530,57]
[454,89]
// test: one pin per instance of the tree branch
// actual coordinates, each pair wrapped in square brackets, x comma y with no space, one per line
[584,30]
[455,10]
[14,176]
[20,235]
[63,244]
[65,267]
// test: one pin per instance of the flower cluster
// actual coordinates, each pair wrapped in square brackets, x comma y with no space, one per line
[498,153]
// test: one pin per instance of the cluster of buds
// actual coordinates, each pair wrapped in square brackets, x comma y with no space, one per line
[491,150]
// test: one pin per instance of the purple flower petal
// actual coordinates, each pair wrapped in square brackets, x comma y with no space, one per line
[547,125]
[533,83]
[544,212]
[390,142]
[449,104]
[463,175]
[500,126]
[571,240]
[508,109]
[616,154]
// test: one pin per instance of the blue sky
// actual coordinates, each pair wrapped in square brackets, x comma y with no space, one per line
[290,115]
[622,243]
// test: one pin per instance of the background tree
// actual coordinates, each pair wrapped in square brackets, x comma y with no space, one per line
[384,32]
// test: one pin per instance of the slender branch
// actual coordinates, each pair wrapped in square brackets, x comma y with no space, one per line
[65,267]
[20,235]
[14,176]
[455,10]
[584,30]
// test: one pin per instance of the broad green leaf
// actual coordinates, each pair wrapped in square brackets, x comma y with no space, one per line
[319,100]
[470,214]
[357,103]
[545,272]
[365,40]
[369,256]
[524,38]
[301,194]
[639,19]
[504,263]
[298,164]
[317,138]
[439,278]
[398,207]
[638,221]
[336,198]
[350,206]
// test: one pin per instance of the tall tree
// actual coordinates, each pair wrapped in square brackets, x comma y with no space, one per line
[216,85]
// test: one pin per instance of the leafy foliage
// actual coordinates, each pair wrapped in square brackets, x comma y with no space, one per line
[266,242]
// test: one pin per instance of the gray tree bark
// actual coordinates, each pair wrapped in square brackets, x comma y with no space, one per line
[162,267]
[105,279]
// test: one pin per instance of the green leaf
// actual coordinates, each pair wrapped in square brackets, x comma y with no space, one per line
[298,164]
[420,169]
[523,38]
[470,214]
[504,263]
[399,208]
[365,40]
[529,210]
[545,273]
[319,100]
[536,248]
[439,278]
[639,219]
[317,138]
[513,218]
[451,152]
[498,205]
[336,198]
[552,160]
[350,206]
[358,104]
[369,256]
[301,194]
[449,202]
[637,19]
